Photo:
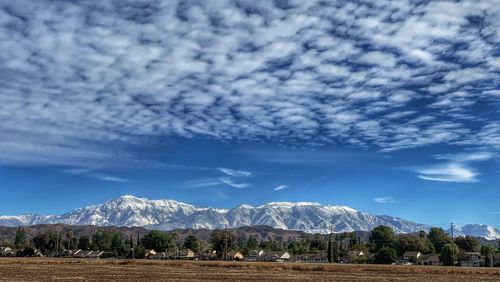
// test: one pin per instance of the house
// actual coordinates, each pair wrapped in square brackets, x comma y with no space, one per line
[95,254]
[37,253]
[276,256]
[472,259]
[235,255]
[254,255]
[411,256]
[148,253]
[87,254]
[429,260]
[82,254]
[185,254]
[69,253]
[7,252]
[159,255]
[208,256]
[314,257]
[352,256]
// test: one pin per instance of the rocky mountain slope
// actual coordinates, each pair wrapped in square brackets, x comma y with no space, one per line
[169,214]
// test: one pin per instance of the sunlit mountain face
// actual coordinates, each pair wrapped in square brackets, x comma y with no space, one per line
[386,107]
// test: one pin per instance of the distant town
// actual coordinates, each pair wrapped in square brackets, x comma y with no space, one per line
[380,246]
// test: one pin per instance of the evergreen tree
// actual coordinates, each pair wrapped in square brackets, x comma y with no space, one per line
[20,241]
[382,236]
[192,243]
[386,255]
[330,249]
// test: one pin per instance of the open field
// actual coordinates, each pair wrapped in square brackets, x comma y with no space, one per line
[39,269]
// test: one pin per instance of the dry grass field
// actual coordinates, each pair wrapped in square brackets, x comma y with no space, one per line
[36,269]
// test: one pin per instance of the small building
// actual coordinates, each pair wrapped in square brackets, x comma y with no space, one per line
[87,254]
[148,253]
[69,253]
[313,257]
[7,252]
[235,255]
[82,254]
[254,255]
[208,255]
[185,254]
[276,256]
[353,257]
[159,255]
[432,259]
[472,259]
[411,256]
[37,253]
[95,254]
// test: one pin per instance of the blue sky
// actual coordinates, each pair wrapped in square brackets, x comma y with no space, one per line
[387,107]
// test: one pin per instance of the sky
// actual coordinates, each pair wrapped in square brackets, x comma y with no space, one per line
[389,107]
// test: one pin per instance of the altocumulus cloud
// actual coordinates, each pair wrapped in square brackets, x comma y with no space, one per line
[77,76]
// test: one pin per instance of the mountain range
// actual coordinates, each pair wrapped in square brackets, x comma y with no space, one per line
[169,214]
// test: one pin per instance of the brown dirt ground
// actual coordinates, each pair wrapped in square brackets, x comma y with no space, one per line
[40,269]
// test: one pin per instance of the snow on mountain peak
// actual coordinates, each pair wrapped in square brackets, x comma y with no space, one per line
[310,217]
[288,204]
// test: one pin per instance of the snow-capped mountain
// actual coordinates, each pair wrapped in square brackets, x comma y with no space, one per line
[169,214]
[479,230]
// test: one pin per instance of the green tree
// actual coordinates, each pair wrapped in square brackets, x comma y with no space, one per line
[48,243]
[26,252]
[449,254]
[157,240]
[271,245]
[488,252]
[382,236]
[84,243]
[252,243]
[386,255]
[467,243]
[222,242]
[193,243]
[410,242]
[333,252]
[21,240]
[298,248]
[438,238]
[317,243]
[139,251]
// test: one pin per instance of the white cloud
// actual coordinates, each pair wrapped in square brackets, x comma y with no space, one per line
[204,182]
[448,173]
[244,70]
[457,169]
[110,178]
[234,184]
[384,200]
[281,187]
[234,173]
[467,157]
[379,58]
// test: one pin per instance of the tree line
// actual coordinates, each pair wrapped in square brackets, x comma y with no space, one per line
[383,243]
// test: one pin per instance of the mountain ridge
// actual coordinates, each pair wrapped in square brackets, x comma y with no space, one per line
[128,210]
